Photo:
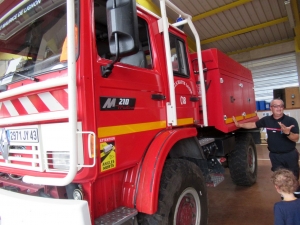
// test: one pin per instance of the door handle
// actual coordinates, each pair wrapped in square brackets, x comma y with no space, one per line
[158,97]
[194,99]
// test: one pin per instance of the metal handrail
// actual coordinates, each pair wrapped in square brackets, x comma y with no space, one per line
[72,102]
[171,106]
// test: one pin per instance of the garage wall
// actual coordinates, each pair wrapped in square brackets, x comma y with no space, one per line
[274,72]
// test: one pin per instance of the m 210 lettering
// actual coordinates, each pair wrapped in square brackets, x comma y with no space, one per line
[114,103]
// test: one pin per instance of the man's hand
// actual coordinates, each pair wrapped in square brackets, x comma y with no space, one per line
[235,122]
[285,129]
[249,125]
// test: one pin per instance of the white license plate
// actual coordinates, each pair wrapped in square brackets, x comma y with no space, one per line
[24,135]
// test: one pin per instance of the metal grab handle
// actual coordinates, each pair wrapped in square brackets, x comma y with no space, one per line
[92,152]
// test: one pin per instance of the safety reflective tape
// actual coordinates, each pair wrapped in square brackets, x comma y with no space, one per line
[138,127]
[129,128]
[238,118]
[51,101]
[185,121]
[250,115]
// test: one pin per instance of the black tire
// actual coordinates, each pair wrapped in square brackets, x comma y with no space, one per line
[243,161]
[182,196]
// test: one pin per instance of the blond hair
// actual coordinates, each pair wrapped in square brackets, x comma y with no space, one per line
[285,180]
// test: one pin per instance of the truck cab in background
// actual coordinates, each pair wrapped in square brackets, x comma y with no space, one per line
[107,118]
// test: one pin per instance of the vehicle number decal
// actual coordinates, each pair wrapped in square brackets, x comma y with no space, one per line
[107,153]
[113,103]
[24,135]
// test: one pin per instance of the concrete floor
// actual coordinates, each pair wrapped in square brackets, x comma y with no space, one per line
[234,205]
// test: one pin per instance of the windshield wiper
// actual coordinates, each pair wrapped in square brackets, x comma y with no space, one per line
[27,77]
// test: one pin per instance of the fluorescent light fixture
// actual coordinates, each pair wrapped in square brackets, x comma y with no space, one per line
[289,10]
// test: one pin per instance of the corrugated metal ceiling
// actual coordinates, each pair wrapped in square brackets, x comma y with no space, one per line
[234,26]
[237,26]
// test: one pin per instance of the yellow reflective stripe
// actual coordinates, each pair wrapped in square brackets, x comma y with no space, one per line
[230,120]
[129,128]
[138,127]
[238,118]
[185,121]
[250,115]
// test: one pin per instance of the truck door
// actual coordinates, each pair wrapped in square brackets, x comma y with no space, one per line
[187,102]
[129,103]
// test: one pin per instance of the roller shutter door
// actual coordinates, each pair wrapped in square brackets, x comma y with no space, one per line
[274,72]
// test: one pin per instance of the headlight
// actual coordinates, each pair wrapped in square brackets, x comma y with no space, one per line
[59,160]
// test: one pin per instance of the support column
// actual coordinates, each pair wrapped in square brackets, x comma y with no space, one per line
[298,65]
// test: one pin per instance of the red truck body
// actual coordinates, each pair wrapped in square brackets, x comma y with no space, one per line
[124,131]
[230,90]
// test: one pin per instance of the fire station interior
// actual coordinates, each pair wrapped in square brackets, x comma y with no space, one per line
[228,204]
[263,35]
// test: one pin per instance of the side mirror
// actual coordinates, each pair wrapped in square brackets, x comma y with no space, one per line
[122,27]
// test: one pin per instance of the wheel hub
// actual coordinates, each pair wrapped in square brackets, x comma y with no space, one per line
[187,210]
[251,160]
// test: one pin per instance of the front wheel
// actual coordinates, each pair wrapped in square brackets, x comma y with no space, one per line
[182,196]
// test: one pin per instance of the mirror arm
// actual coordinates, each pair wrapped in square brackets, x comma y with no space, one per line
[106,70]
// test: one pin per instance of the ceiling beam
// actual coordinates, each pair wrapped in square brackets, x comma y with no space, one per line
[297,27]
[259,46]
[220,9]
[265,51]
[148,4]
[245,30]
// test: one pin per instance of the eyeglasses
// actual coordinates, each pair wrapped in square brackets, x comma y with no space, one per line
[277,106]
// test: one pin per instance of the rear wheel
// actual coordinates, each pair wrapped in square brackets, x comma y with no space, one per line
[182,197]
[243,161]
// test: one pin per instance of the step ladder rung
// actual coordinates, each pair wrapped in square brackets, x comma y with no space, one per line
[216,178]
[116,217]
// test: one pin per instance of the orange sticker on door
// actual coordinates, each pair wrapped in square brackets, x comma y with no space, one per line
[107,153]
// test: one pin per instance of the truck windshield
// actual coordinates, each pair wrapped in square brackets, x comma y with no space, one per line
[32,36]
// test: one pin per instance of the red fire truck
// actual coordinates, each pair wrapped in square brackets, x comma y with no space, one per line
[106,117]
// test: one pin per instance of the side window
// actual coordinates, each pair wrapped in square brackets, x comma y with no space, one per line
[178,56]
[141,59]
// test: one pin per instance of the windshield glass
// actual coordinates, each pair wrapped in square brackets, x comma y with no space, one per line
[32,37]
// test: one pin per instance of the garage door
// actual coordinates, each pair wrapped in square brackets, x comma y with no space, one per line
[274,72]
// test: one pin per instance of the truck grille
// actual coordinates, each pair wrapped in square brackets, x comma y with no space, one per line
[31,158]
[24,157]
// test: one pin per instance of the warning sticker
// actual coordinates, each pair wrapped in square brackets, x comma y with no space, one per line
[107,153]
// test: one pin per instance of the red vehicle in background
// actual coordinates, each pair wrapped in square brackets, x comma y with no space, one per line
[106,118]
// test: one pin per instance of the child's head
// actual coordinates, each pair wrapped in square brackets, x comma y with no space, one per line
[284,181]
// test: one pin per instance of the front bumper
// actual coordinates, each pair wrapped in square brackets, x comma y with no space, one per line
[23,209]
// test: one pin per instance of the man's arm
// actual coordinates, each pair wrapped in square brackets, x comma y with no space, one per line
[293,137]
[249,125]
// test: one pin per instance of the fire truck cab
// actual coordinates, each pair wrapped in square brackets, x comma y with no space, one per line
[106,117]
